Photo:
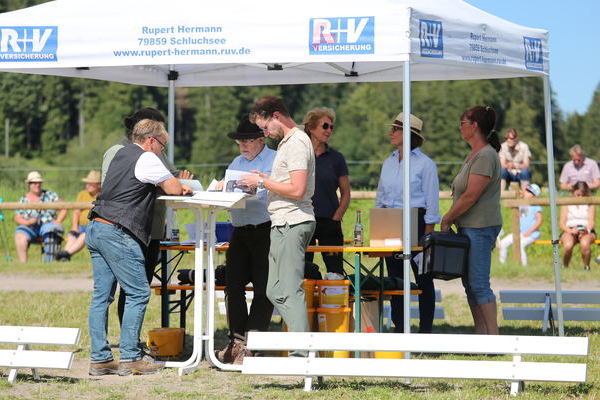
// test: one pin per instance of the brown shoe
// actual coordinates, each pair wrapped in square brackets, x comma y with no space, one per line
[105,368]
[145,366]
[226,355]
[242,352]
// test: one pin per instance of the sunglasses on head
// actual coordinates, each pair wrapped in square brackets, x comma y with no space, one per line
[327,125]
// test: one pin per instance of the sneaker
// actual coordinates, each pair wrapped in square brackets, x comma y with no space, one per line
[598,259]
[140,367]
[63,256]
[104,368]
[587,268]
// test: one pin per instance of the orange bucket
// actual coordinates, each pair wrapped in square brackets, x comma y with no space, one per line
[334,320]
[165,342]
[334,293]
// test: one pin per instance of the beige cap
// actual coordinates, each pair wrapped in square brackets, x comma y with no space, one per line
[416,125]
[92,177]
[34,176]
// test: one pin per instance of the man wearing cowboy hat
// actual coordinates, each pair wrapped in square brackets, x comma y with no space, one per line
[37,224]
[76,237]
[424,195]
[247,258]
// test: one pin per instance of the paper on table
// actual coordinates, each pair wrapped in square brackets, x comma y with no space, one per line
[212,186]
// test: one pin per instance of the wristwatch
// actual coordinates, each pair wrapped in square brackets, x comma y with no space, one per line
[260,184]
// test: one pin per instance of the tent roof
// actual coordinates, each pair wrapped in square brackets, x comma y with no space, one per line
[233,42]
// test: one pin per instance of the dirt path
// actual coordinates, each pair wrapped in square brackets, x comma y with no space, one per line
[53,284]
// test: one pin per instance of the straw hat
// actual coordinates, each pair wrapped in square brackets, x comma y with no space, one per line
[34,176]
[92,177]
[416,125]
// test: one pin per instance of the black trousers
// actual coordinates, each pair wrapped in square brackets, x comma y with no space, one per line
[329,233]
[151,256]
[424,282]
[247,260]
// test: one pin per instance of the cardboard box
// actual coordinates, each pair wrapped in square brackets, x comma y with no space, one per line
[386,227]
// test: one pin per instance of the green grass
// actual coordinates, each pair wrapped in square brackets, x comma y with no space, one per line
[70,309]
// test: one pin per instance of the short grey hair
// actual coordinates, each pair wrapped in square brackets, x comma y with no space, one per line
[147,128]
[577,149]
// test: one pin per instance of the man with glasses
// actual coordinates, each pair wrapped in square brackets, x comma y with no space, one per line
[152,252]
[120,229]
[291,186]
[247,258]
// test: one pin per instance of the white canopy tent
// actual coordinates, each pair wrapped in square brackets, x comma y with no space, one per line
[233,42]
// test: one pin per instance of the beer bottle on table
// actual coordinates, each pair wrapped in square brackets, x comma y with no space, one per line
[174,228]
[358,230]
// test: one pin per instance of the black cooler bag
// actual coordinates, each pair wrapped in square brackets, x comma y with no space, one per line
[445,255]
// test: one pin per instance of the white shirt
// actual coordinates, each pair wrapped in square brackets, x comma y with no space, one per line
[149,169]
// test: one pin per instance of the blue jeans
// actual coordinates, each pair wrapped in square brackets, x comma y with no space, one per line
[116,256]
[524,175]
[477,283]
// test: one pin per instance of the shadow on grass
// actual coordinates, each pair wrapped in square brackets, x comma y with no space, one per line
[24,377]
[520,330]
[358,385]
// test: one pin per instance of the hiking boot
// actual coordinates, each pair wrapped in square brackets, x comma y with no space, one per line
[145,366]
[226,354]
[241,353]
[104,368]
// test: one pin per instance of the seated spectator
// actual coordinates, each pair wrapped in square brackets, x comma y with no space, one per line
[514,159]
[76,237]
[37,224]
[530,222]
[577,223]
[580,168]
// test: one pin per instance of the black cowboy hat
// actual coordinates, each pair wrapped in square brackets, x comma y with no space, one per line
[246,130]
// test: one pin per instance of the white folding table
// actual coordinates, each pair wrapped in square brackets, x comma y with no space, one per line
[205,206]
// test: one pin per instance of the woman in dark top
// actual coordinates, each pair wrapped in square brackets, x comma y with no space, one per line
[331,174]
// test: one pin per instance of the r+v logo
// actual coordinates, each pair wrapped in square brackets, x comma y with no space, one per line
[325,32]
[24,39]
[533,50]
[430,34]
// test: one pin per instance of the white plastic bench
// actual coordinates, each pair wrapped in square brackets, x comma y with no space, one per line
[516,370]
[547,311]
[24,357]
[414,310]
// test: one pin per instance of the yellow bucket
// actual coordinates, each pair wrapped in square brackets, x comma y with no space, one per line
[334,320]
[389,354]
[165,342]
[310,286]
[333,293]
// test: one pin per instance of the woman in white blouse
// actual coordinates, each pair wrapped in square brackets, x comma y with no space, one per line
[577,223]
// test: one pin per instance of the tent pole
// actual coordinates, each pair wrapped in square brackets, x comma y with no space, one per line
[553,213]
[171,115]
[406,244]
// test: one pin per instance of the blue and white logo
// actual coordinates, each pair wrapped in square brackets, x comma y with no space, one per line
[28,43]
[534,58]
[342,35]
[431,38]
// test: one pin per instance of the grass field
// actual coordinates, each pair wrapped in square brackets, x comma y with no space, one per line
[69,309]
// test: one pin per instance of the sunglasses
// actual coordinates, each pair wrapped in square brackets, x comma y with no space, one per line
[326,126]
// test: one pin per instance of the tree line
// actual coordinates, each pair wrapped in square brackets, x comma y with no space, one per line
[71,121]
